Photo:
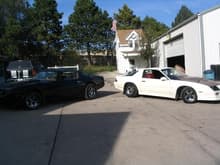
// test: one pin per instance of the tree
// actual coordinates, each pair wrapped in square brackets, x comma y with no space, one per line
[146,50]
[47,28]
[153,28]
[12,16]
[183,14]
[126,19]
[88,28]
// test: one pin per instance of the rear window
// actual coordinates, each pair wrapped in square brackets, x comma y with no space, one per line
[46,76]
[131,73]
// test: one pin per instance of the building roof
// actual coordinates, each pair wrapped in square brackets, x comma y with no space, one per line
[187,21]
[123,34]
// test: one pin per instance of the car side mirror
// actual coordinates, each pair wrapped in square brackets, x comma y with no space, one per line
[163,79]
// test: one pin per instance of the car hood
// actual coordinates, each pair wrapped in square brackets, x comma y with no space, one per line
[199,80]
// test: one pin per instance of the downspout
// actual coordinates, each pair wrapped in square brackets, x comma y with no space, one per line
[164,55]
[202,41]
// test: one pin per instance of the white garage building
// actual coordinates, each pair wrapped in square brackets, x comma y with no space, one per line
[194,44]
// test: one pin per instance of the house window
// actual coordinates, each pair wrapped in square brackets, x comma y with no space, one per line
[136,44]
[130,44]
[132,61]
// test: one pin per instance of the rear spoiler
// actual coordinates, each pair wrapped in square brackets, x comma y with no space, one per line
[64,67]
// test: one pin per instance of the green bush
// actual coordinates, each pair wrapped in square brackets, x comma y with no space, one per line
[97,69]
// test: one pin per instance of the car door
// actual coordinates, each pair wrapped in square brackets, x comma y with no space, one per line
[69,84]
[155,83]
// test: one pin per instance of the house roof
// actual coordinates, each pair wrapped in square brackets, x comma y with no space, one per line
[123,34]
[20,65]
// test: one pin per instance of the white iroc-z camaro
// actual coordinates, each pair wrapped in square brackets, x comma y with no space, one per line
[167,82]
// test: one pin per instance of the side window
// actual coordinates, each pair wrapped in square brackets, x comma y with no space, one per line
[67,75]
[153,74]
[157,74]
[51,76]
[148,74]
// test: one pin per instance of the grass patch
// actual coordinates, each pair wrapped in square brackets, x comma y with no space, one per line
[97,69]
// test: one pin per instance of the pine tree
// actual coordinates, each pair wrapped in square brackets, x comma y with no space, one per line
[183,14]
[126,19]
[153,28]
[88,28]
[12,16]
[47,28]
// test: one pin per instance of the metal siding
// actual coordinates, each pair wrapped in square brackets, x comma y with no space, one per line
[211,37]
[174,48]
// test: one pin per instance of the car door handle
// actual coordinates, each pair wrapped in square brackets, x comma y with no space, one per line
[143,81]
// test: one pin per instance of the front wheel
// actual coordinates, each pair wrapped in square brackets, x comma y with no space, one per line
[90,92]
[131,90]
[32,100]
[189,95]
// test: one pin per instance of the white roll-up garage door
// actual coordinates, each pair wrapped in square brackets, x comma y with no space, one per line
[174,48]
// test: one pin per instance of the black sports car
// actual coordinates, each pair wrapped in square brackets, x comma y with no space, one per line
[53,82]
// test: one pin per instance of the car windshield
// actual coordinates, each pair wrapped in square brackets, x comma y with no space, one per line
[173,73]
[46,75]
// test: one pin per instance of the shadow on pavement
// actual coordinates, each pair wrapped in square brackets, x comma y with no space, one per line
[87,138]
[48,137]
[106,93]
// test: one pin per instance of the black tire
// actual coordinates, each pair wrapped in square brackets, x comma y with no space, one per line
[32,100]
[90,92]
[189,95]
[131,90]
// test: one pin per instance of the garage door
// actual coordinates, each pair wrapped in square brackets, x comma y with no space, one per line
[174,47]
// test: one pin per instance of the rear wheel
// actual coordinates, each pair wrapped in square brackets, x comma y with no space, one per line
[131,90]
[189,95]
[90,92]
[32,100]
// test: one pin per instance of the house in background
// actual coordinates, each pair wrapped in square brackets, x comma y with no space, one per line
[127,47]
[194,44]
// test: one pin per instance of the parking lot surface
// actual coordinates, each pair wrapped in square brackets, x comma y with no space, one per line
[112,130]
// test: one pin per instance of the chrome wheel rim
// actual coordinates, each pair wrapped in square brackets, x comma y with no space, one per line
[32,101]
[189,95]
[91,91]
[130,90]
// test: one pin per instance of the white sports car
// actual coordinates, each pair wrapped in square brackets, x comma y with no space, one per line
[167,82]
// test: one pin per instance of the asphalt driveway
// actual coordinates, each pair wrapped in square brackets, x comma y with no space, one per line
[112,130]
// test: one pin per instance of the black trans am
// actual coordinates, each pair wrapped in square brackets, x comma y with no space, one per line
[54,82]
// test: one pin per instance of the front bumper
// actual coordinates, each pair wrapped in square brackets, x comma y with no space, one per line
[209,96]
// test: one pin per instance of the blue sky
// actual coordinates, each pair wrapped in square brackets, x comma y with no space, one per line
[162,10]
